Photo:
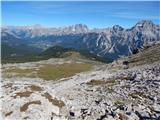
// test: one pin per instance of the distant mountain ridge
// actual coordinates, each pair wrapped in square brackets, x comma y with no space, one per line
[109,43]
[38,30]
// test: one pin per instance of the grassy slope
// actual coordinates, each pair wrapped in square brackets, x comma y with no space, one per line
[48,71]
[53,52]
[147,55]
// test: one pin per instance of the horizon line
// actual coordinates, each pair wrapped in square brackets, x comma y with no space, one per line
[46,26]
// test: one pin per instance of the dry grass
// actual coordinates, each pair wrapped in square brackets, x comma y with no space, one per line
[72,54]
[110,81]
[54,101]
[17,72]
[35,88]
[119,102]
[25,106]
[123,78]
[49,71]
[146,56]
[52,72]
[100,82]
[8,114]
[137,95]
[23,94]
[28,93]
[123,117]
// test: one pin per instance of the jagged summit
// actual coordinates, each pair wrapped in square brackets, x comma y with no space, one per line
[80,28]
[117,28]
[144,25]
[145,22]
[77,28]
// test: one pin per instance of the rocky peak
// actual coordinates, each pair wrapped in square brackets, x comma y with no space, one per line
[80,28]
[36,26]
[144,25]
[117,28]
[144,22]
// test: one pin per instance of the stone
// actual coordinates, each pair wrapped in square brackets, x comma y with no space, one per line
[72,114]
[123,116]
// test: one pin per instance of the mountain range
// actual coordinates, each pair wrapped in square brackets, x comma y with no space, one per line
[109,43]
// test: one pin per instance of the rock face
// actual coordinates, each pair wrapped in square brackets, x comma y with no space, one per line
[118,41]
[108,42]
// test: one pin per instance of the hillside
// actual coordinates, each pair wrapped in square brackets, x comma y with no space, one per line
[21,55]
[61,52]
[147,55]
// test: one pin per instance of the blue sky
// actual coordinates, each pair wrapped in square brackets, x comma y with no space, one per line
[94,14]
